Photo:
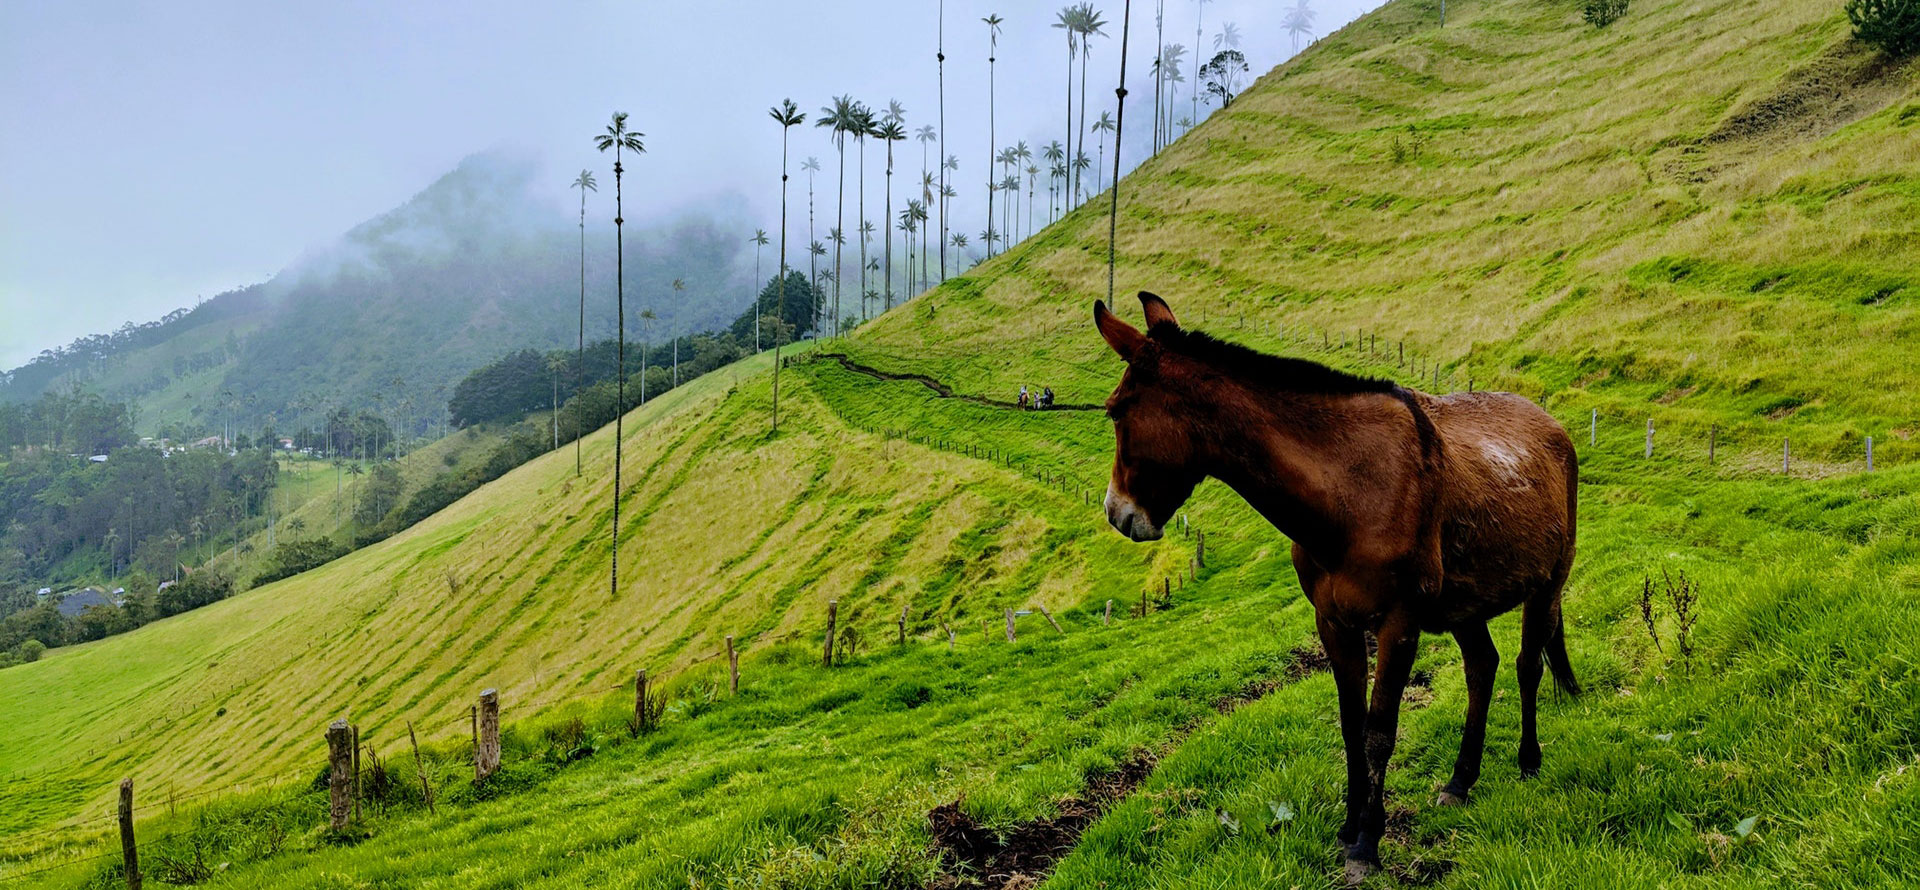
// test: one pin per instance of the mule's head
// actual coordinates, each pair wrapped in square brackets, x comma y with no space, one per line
[1154,455]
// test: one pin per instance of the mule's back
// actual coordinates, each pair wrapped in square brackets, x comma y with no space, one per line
[1507,500]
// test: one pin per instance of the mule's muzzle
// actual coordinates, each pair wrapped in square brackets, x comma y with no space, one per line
[1127,518]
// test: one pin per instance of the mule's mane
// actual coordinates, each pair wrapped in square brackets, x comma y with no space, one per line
[1272,371]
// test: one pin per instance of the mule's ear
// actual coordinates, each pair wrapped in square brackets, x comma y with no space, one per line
[1158,312]
[1124,339]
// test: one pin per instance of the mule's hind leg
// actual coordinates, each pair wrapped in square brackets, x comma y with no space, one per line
[1538,620]
[1482,661]
[1347,654]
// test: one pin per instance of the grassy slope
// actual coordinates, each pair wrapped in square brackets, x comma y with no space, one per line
[1800,710]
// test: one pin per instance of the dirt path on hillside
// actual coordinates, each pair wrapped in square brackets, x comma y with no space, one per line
[945,391]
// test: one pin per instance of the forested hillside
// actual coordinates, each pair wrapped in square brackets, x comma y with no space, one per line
[391,316]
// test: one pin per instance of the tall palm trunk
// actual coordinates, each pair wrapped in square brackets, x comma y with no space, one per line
[580,359]
[813,261]
[1070,54]
[886,226]
[780,301]
[620,359]
[840,221]
[860,230]
[940,54]
[1086,49]
[991,142]
[1199,15]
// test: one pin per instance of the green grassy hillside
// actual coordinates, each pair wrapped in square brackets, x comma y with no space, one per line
[1664,218]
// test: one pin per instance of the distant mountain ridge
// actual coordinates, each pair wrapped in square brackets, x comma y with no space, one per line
[391,315]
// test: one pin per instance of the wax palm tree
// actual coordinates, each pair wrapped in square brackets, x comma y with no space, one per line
[1298,21]
[1033,179]
[1228,38]
[940,53]
[1169,65]
[1007,160]
[1068,20]
[1080,164]
[866,266]
[907,227]
[1103,126]
[678,286]
[1090,24]
[949,194]
[1159,40]
[864,125]
[840,118]
[1022,154]
[788,116]
[759,240]
[584,182]
[1056,156]
[812,166]
[621,140]
[1056,175]
[891,130]
[992,22]
[1011,185]
[646,336]
[1199,14]
[926,199]
[959,240]
[815,251]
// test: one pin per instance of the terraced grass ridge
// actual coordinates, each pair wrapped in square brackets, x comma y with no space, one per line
[1703,215]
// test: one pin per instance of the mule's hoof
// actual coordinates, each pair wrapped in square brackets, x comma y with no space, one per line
[1450,799]
[1529,772]
[1357,872]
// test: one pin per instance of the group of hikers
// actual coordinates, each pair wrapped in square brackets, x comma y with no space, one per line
[1042,402]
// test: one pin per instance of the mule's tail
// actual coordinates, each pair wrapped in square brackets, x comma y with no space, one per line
[1557,663]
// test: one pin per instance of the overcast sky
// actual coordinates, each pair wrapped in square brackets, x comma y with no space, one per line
[160,152]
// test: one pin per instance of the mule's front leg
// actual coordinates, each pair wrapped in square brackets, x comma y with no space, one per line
[1399,641]
[1347,656]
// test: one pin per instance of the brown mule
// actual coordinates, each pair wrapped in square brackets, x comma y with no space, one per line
[1408,513]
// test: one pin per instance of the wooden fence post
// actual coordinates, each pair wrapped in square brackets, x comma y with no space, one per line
[833,611]
[1649,438]
[356,772]
[949,629]
[486,756]
[1106,620]
[903,624]
[1009,625]
[1049,616]
[733,667]
[420,767]
[339,762]
[1869,454]
[128,850]
[1200,549]
[1593,427]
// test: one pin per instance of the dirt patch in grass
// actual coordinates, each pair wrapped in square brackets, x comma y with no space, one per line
[1844,84]
[1424,865]
[1024,855]
[976,856]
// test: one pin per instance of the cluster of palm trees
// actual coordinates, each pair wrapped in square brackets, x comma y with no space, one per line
[927,216]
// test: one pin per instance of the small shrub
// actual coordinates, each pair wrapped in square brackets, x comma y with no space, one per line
[1601,13]
[1680,597]
[1892,25]
[1410,148]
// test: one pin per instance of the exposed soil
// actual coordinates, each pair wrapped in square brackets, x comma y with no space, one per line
[1844,84]
[1024,855]
[975,856]
[943,390]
